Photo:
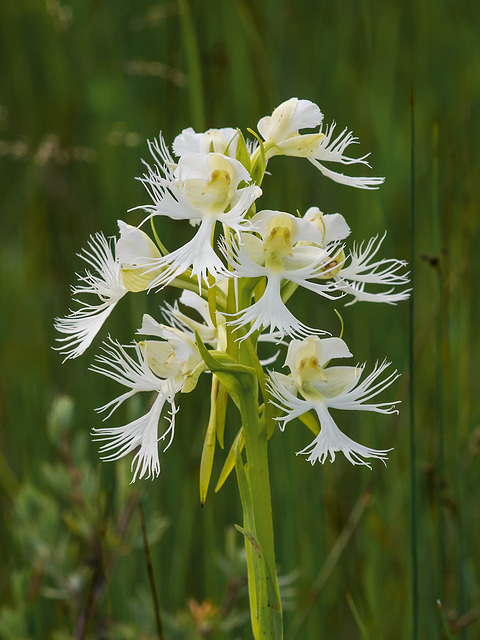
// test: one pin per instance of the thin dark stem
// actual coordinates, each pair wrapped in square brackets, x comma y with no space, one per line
[439,369]
[151,577]
[413,461]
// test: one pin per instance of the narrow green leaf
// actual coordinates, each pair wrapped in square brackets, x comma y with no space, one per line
[222,398]
[311,421]
[258,168]
[208,451]
[229,464]
[242,154]
[238,378]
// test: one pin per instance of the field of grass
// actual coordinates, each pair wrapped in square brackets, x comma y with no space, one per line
[364,554]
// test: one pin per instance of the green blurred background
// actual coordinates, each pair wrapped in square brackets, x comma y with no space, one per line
[83,84]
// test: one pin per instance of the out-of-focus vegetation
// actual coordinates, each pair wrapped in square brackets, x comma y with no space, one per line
[83,84]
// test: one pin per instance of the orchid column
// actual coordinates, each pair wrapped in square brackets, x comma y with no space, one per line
[237,272]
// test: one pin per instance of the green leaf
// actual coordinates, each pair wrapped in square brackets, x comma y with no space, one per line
[229,464]
[222,398]
[242,154]
[258,169]
[238,378]
[208,451]
[311,421]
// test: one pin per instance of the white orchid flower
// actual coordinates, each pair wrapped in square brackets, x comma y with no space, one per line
[281,134]
[289,248]
[163,367]
[210,333]
[281,129]
[362,270]
[359,269]
[322,388]
[136,253]
[105,284]
[222,141]
[118,270]
[203,189]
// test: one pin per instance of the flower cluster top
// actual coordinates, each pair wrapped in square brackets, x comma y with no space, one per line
[238,270]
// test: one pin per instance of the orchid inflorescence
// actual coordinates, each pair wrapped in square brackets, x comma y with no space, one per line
[237,272]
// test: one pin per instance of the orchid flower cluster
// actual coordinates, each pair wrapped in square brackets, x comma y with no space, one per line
[237,274]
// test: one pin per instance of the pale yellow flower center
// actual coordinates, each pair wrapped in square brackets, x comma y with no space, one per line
[278,244]
[137,279]
[333,267]
[277,247]
[214,194]
[160,357]
[310,373]
[218,190]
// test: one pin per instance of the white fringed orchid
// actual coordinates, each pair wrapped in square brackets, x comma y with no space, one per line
[288,249]
[281,134]
[136,253]
[281,130]
[359,268]
[217,140]
[116,272]
[204,188]
[322,388]
[237,272]
[210,333]
[82,325]
[163,367]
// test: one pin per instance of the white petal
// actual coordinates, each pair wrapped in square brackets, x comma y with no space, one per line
[263,126]
[162,156]
[359,183]
[358,397]
[82,325]
[270,311]
[198,254]
[134,246]
[194,301]
[187,142]
[142,433]
[288,118]
[339,381]
[336,227]
[175,318]
[283,390]
[116,363]
[222,140]
[323,349]
[330,348]
[307,115]
[150,327]
[333,150]
[363,270]
[298,146]
[357,290]
[331,439]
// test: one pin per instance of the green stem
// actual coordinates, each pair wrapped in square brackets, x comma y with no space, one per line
[254,485]
[192,55]
[240,378]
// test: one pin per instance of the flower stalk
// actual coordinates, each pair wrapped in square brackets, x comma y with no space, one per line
[254,487]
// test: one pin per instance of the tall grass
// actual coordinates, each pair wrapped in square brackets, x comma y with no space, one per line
[82,85]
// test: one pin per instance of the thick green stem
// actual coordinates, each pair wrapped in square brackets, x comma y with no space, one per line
[254,484]
[240,378]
